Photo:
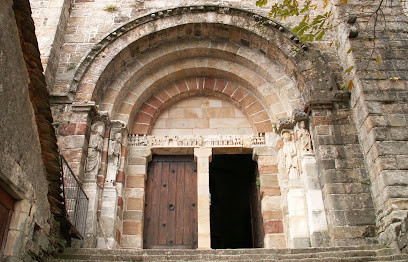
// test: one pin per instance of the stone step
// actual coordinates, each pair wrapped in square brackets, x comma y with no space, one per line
[359,253]
[241,257]
[397,258]
[219,251]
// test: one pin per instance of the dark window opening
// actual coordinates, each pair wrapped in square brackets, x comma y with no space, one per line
[232,184]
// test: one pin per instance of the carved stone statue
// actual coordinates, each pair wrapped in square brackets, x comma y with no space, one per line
[115,146]
[289,152]
[93,161]
[304,139]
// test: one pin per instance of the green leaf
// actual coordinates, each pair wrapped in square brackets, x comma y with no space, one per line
[349,51]
[378,59]
[320,36]
[348,70]
[261,3]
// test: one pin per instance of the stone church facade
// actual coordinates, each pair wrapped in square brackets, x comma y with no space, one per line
[149,98]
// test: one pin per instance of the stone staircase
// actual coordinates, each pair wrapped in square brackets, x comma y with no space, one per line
[353,253]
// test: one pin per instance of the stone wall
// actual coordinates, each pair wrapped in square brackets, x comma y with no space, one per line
[29,163]
[51,17]
[380,111]
[342,175]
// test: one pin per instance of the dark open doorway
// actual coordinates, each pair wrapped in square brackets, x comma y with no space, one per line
[234,213]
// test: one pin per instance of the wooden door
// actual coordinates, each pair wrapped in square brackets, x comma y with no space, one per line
[171,203]
[6,210]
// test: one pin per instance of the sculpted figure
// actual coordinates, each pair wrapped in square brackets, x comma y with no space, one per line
[94,151]
[304,139]
[289,152]
[116,145]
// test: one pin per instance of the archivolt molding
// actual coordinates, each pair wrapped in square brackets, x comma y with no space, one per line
[148,74]
[113,36]
[280,45]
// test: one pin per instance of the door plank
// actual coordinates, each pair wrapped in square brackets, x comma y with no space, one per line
[194,198]
[188,217]
[172,204]
[164,191]
[153,211]
[180,196]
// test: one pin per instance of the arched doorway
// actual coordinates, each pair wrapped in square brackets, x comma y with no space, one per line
[141,76]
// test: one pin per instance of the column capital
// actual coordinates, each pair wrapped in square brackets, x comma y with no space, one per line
[262,151]
[142,152]
[202,152]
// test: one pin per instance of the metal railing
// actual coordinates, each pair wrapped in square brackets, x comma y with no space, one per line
[76,201]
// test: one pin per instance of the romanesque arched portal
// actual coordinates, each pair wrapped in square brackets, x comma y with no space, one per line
[144,69]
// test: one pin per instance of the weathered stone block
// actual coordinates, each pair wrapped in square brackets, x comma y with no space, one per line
[134,204]
[270,203]
[273,226]
[133,215]
[275,241]
[268,181]
[272,215]
[132,228]
[268,169]
[131,241]
[135,181]
[136,169]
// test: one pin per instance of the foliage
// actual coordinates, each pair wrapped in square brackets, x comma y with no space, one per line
[111,8]
[313,27]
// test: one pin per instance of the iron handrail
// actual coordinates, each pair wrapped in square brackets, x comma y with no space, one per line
[76,201]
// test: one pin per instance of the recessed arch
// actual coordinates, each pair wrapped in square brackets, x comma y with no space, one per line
[250,105]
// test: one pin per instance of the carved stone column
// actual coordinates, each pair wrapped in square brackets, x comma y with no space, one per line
[110,195]
[203,158]
[90,186]
[296,198]
[294,139]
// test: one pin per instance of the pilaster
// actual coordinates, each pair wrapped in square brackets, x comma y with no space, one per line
[314,199]
[134,198]
[203,158]
[271,199]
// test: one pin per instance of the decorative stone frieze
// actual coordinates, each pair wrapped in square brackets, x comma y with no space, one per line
[194,141]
